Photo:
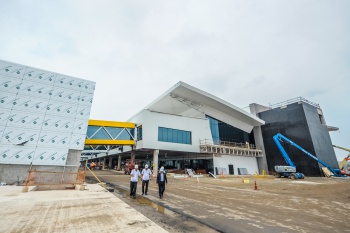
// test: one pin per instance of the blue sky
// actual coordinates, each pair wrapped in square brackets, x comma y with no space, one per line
[241,51]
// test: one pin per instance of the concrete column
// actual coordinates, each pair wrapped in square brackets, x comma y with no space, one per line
[132,155]
[155,162]
[119,162]
[110,163]
[104,163]
[255,109]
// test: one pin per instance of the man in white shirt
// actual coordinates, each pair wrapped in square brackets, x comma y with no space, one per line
[145,178]
[134,174]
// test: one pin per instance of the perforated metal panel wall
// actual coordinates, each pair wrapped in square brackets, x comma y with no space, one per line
[42,115]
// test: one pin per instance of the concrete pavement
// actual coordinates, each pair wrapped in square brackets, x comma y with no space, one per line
[91,210]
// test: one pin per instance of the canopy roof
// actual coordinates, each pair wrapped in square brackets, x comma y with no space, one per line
[185,100]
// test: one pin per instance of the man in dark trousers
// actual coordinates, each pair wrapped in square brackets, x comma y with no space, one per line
[145,178]
[161,180]
[134,177]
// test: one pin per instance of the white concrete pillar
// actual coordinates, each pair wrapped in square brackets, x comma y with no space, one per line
[104,163]
[119,162]
[155,162]
[259,141]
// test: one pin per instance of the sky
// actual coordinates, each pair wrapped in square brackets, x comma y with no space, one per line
[256,51]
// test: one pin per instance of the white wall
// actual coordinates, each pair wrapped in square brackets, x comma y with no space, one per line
[238,162]
[47,109]
[150,121]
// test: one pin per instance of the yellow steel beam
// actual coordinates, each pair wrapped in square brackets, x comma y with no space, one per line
[111,124]
[108,142]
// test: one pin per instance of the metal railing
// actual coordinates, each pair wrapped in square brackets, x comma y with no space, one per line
[228,144]
[294,100]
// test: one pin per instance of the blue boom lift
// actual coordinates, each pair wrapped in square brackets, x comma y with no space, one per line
[290,171]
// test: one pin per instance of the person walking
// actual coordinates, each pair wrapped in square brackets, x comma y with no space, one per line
[145,174]
[161,180]
[134,174]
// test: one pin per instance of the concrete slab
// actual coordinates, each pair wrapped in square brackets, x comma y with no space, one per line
[92,210]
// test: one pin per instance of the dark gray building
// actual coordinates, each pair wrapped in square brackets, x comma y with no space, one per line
[302,122]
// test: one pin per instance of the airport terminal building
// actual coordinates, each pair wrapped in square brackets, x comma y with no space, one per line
[188,128]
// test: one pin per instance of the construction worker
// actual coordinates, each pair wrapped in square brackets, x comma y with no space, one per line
[145,178]
[134,174]
[161,180]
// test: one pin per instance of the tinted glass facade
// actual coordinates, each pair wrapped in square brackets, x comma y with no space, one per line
[174,135]
[221,131]
[139,133]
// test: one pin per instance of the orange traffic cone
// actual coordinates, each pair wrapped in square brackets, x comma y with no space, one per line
[222,174]
[255,186]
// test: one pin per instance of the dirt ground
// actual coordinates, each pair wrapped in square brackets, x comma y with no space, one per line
[229,205]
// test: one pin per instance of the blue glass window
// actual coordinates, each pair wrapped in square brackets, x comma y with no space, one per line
[214,128]
[97,132]
[139,133]
[221,131]
[174,135]
[94,132]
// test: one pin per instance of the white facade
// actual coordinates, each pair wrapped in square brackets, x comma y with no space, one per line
[151,121]
[42,115]
[200,131]
[223,161]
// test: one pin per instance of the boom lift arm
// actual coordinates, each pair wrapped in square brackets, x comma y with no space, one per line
[278,138]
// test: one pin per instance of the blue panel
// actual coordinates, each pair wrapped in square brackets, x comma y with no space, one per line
[160,134]
[165,135]
[124,136]
[101,134]
[113,131]
[139,133]
[180,136]
[170,135]
[188,138]
[174,135]
[91,130]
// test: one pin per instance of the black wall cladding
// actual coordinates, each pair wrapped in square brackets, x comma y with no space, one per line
[300,123]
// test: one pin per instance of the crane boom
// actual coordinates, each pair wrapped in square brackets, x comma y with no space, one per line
[278,138]
[342,148]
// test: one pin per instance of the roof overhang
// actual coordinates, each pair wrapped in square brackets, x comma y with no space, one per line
[185,100]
